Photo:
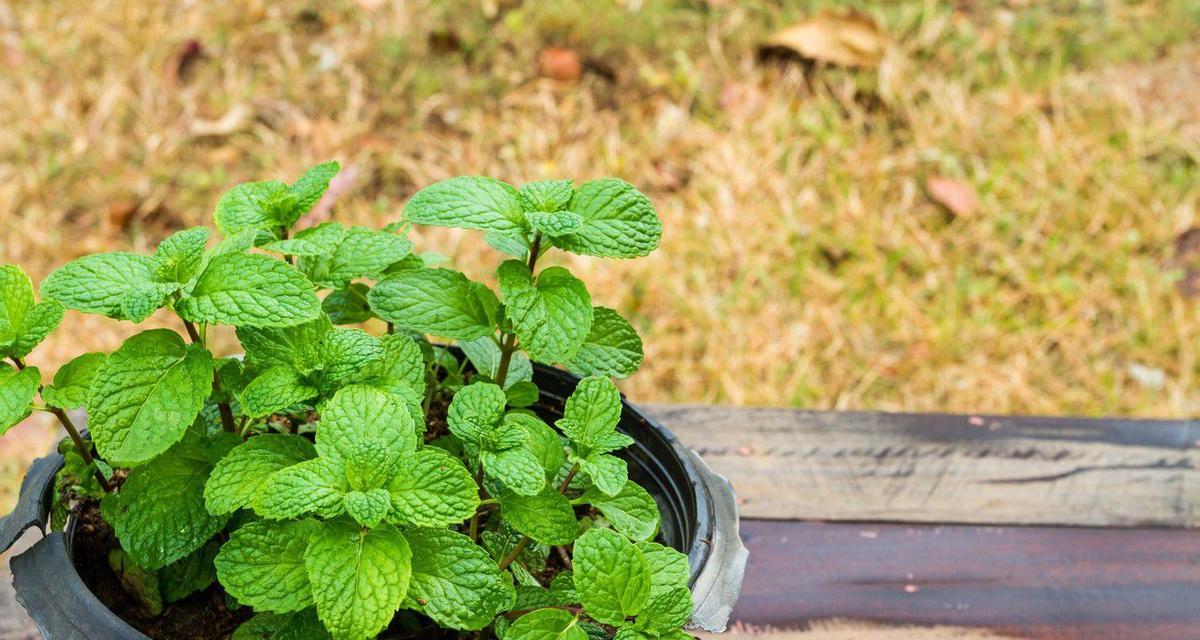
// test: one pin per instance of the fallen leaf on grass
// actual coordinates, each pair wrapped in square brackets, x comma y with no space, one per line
[849,38]
[955,196]
[560,64]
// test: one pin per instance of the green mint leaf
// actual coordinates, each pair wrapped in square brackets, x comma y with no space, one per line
[618,221]
[514,245]
[546,444]
[249,206]
[547,517]
[669,569]
[99,283]
[23,323]
[250,290]
[178,258]
[370,464]
[608,473]
[612,347]
[240,242]
[359,578]
[521,394]
[313,486]
[437,301]
[288,626]
[349,305]
[631,511]
[547,195]
[517,468]
[554,225]
[363,252]
[592,412]
[402,363]
[346,352]
[468,202]
[560,594]
[368,508]
[546,624]
[307,191]
[17,389]
[484,355]
[73,382]
[142,301]
[473,411]
[665,612]
[262,565]
[274,390]
[159,514]
[597,632]
[320,240]
[454,581]
[432,489]
[139,582]
[611,576]
[551,317]
[359,413]
[146,394]
[193,573]
[297,346]
[239,476]
[42,319]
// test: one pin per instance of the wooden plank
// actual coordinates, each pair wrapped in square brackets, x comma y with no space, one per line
[788,464]
[1046,583]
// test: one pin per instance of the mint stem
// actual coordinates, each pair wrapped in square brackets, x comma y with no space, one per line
[222,407]
[508,342]
[81,446]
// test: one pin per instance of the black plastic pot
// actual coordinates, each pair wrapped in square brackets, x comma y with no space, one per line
[699,517]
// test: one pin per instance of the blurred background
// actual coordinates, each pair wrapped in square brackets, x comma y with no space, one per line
[972,206]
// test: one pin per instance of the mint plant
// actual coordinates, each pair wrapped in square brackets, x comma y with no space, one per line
[339,483]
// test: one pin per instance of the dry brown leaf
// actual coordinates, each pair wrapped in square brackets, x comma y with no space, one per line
[849,38]
[560,64]
[955,196]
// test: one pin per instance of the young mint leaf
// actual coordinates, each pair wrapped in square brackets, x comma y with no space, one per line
[274,390]
[250,290]
[262,565]
[611,576]
[363,252]
[612,347]
[631,511]
[454,581]
[665,612]
[289,626]
[618,221]
[320,240]
[554,225]
[551,317]
[265,206]
[142,301]
[297,346]
[193,573]
[359,578]
[17,389]
[73,381]
[608,473]
[431,489]
[546,445]
[560,594]
[669,569]
[346,352]
[146,394]
[547,517]
[521,394]
[509,243]
[484,355]
[23,323]
[402,363]
[468,202]
[313,486]
[437,301]
[239,476]
[592,412]
[307,191]
[516,467]
[41,320]
[99,283]
[357,413]
[349,305]
[546,624]
[178,258]
[159,514]
[547,195]
[474,410]
[370,464]
[368,508]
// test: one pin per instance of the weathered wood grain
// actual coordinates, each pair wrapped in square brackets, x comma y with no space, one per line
[1046,583]
[788,464]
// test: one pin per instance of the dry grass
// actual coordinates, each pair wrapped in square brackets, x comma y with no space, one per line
[802,263]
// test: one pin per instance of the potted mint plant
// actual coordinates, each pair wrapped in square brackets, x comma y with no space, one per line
[336,483]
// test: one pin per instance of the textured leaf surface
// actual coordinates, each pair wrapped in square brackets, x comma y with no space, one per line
[239,476]
[359,578]
[289,626]
[179,256]
[307,191]
[401,362]
[346,352]
[23,323]
[631,511]
[592,411]
[368,508]
[546,445]
[349,305]
[313,486]
[546,624]
[362,252]
[41,321]
[190,574]
[146,394]
[73,381]
[517,468]
[554,225]
[454,581]
[431,489]
[666,611]
[485,355]
[359,413]
[250,290]
[612,347]
[474,410]
[608,473]
[262,565]
[618,221]
[547,195]
[273,390]
[611,576]
[669,568]
[98,283]
[159,514]
[547,517]
[551,318]
[17,389]
[315,241]
[468,202]
[263,205]
[297,346]
[437,301]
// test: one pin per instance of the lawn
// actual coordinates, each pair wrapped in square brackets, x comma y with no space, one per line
[803,262]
